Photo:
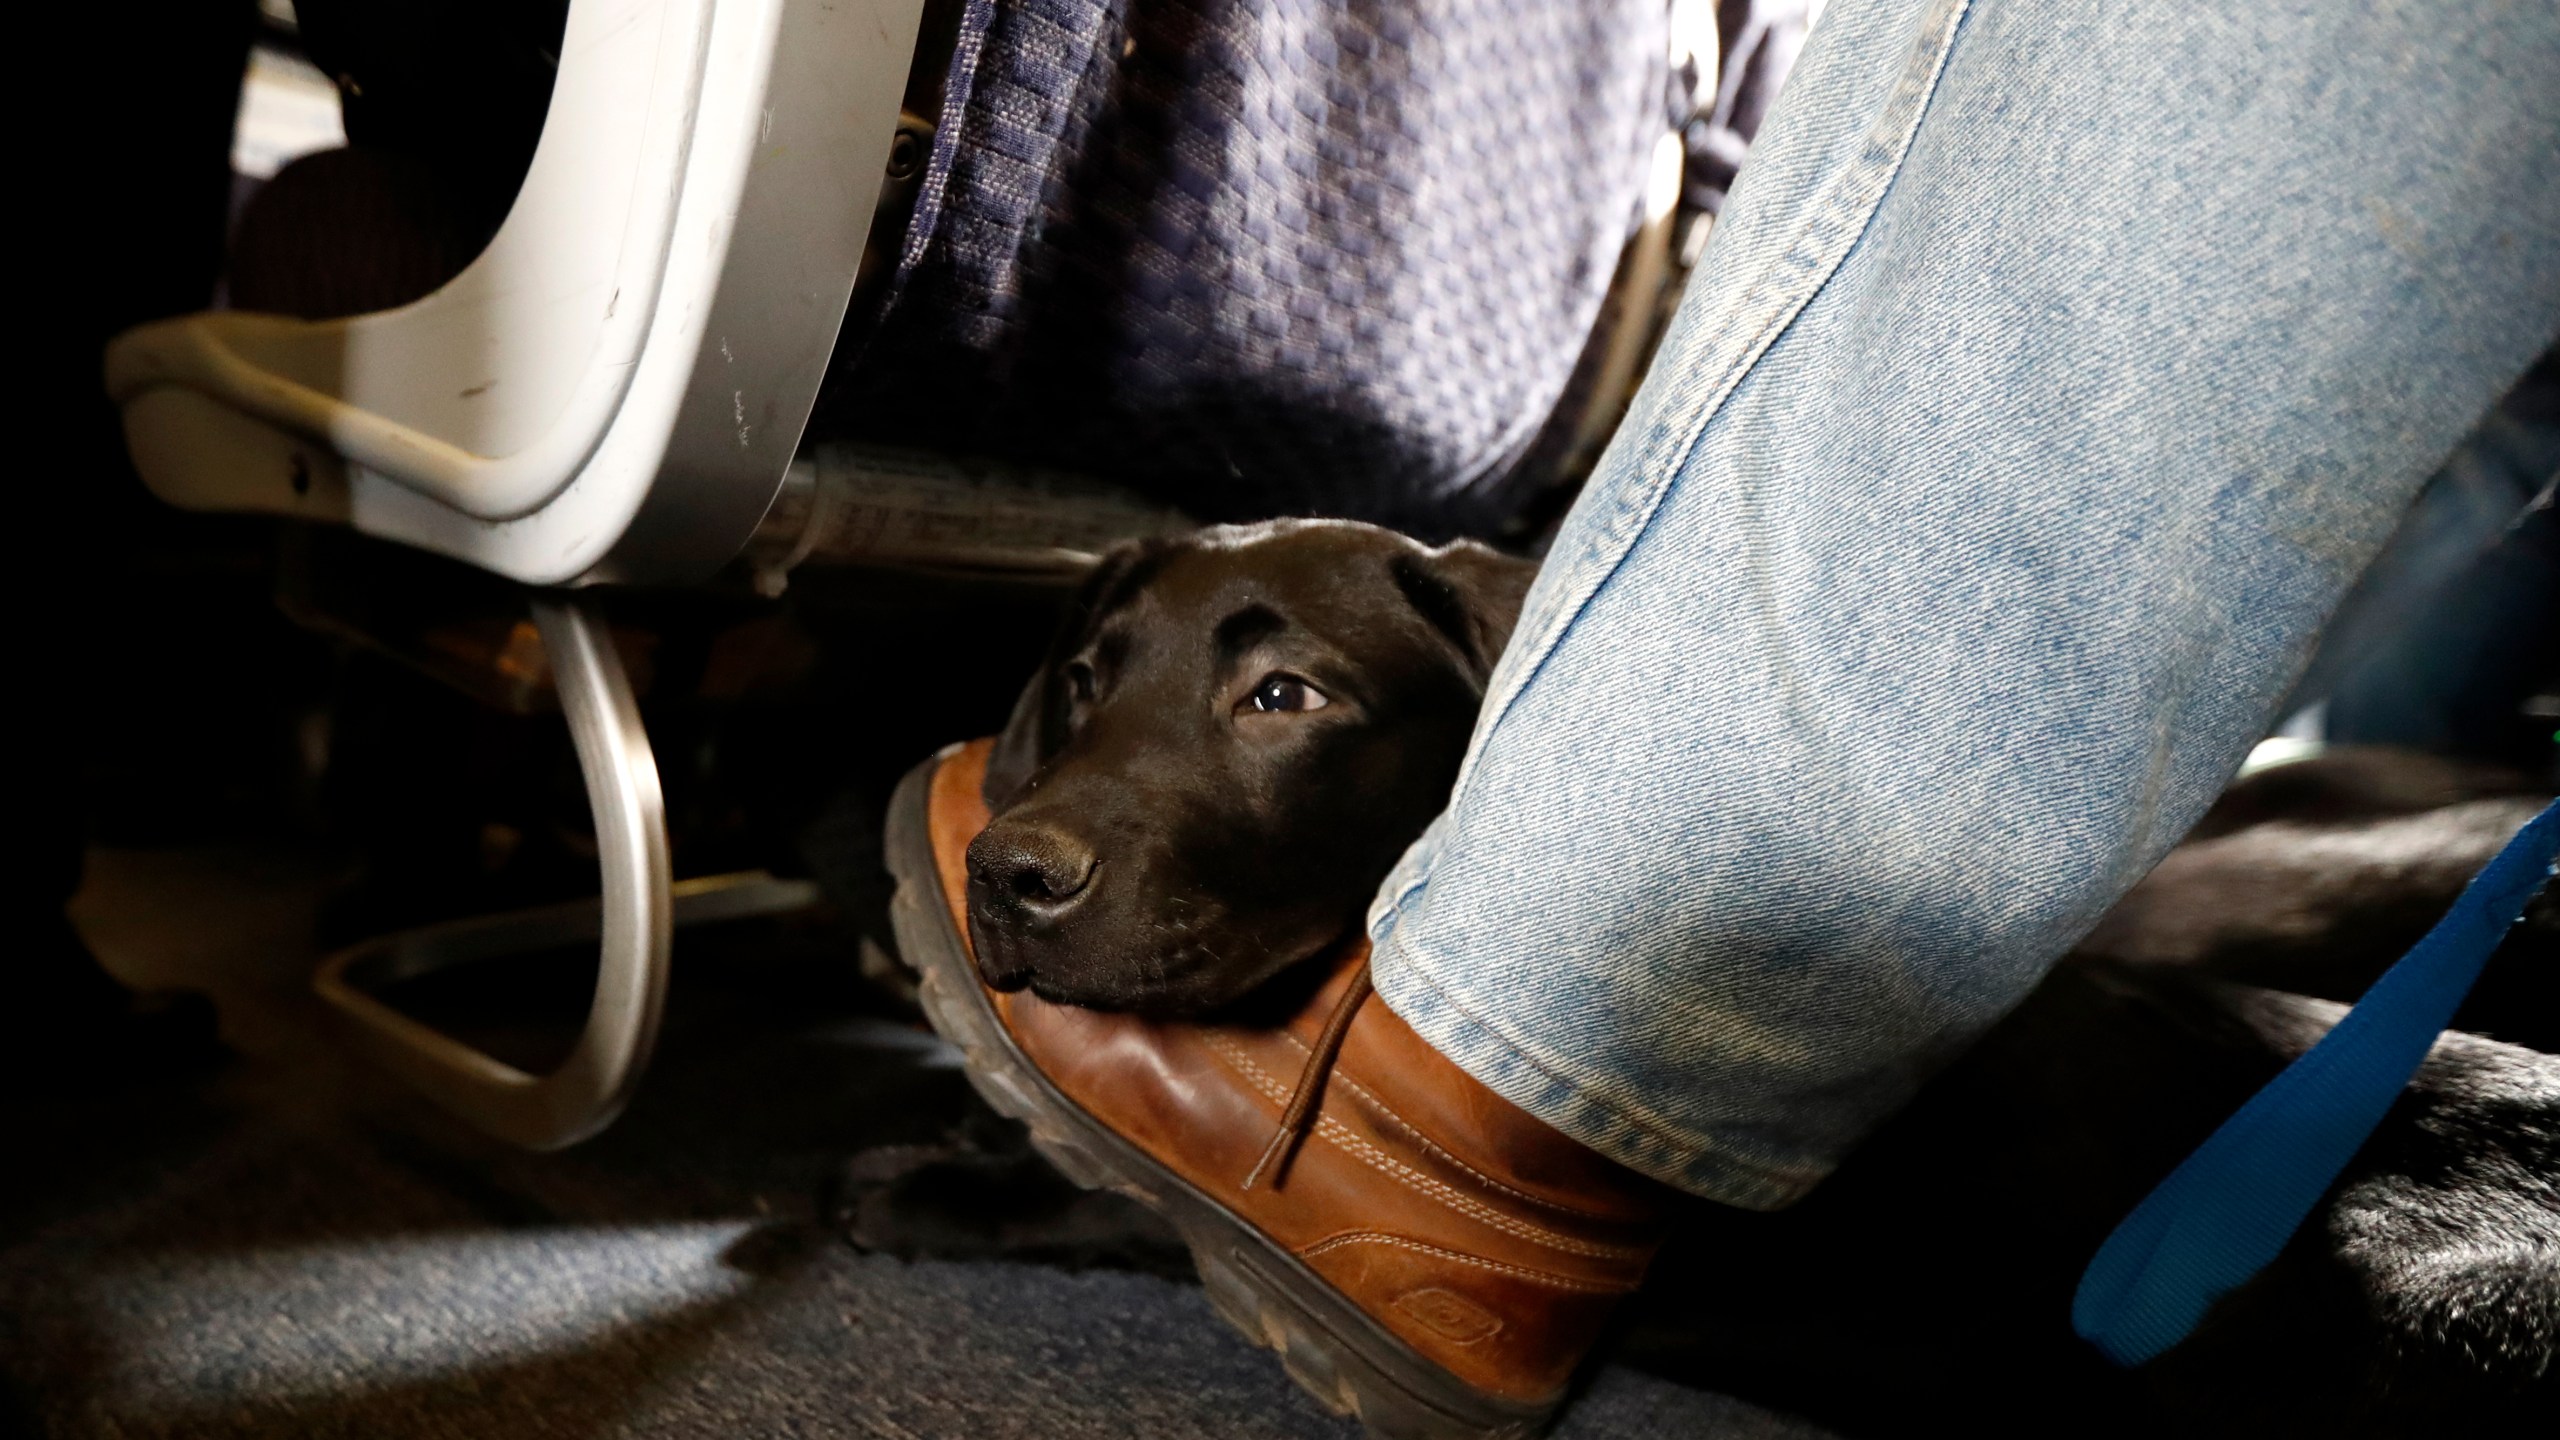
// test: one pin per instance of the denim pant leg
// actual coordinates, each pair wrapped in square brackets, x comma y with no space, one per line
[2056,367]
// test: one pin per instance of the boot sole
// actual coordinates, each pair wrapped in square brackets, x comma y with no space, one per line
[1336,1353]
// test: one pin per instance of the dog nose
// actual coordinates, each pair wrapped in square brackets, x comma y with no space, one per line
[1041,869]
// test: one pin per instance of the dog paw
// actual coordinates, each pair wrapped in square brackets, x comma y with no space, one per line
[982,1193]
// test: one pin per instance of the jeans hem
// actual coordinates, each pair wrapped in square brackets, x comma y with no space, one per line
[1684,1159]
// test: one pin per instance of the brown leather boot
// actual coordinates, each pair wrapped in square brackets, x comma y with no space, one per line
[1419,1250]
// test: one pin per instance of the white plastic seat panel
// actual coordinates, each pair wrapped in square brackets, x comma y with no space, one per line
[702,164]
[486,394]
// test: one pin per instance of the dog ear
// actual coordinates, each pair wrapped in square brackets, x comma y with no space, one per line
[1038,726]
[1470,593]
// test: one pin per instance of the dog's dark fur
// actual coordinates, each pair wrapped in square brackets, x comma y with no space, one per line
[1161,845]
[1926,1284]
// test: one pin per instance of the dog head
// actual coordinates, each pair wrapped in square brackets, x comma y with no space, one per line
[1231,740]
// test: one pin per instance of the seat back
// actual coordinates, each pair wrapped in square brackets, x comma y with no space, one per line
[614,389]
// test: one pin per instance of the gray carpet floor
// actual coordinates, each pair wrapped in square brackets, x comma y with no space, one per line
[287,1245]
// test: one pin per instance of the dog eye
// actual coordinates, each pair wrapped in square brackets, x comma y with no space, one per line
[1286,693]
[1079,677]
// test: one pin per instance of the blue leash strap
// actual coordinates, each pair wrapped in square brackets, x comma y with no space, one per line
[2229,1207]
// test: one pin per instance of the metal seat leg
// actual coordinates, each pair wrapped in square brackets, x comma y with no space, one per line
[633,926]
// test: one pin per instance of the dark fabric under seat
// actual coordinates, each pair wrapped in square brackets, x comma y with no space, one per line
[1265,256]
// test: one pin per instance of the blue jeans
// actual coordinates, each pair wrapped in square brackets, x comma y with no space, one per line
[2055,369]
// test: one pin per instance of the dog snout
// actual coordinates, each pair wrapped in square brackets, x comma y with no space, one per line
[1039,870]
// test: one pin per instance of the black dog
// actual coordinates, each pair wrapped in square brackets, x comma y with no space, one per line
[1235,736]
[1231,741]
